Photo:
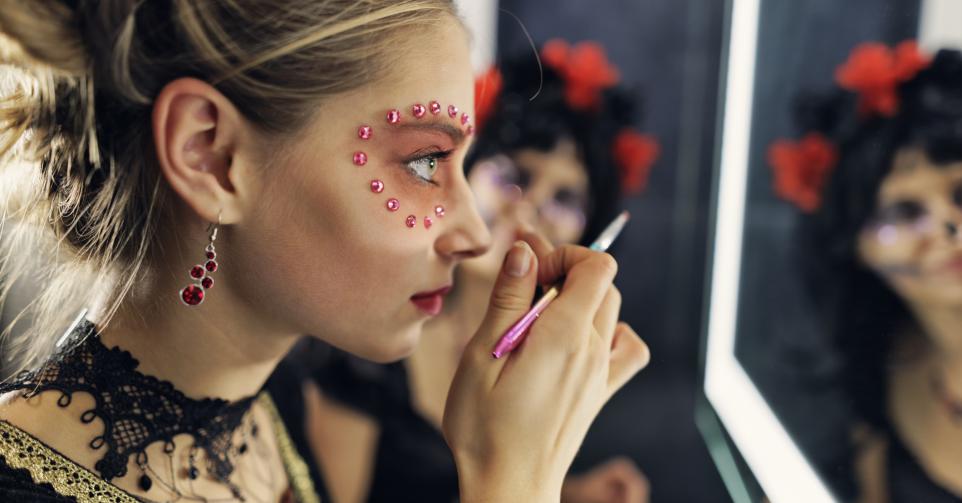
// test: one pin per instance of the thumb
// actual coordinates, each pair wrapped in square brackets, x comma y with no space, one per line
[512,294]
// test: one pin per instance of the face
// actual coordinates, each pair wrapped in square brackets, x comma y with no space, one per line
[547,190]
[330,254]
[913,241]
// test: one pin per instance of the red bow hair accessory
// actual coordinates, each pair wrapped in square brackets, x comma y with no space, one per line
[487,90]
[874,71]
[585,70]
[801,169]
[634,153]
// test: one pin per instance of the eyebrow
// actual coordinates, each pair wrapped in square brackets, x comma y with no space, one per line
[456,134]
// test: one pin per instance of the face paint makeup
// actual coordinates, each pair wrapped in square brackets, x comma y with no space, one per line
[393,116]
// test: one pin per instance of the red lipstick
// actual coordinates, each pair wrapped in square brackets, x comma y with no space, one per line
[430,303]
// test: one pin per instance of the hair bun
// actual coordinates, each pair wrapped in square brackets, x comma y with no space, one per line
[47,31]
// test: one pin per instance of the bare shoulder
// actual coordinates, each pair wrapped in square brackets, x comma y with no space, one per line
[54,424]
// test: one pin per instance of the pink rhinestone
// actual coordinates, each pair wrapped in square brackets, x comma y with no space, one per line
[439,211]
[418,110]
[470,130]
[452,111]
[411,221]
[428,222]
[394,116]
[393,204]
[377,186]
[465,118]
[207,282]
[364,132]
[197,272]
[211,255]
[211,266]
[435,107]
[360,158]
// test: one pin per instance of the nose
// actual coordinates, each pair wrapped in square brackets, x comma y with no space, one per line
[465,234]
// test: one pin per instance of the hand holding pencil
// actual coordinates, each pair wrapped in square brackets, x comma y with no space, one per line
[512,420]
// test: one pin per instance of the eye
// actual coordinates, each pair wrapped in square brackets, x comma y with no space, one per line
[569,198]
[426,165]
[900,212]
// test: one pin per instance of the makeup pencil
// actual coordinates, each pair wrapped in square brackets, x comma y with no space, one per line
[514,335]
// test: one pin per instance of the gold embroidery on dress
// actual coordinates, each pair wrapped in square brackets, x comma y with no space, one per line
[20,450]
[297,471]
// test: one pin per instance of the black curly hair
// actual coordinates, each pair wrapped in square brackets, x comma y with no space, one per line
[861,314]
[519,122]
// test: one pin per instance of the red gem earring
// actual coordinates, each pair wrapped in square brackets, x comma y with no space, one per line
[193,294]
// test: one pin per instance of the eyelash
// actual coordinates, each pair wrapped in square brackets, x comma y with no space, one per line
[436,156]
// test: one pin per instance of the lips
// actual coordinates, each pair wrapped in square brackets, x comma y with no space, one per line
[430,303]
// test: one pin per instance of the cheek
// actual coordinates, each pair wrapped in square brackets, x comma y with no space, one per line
[323,251]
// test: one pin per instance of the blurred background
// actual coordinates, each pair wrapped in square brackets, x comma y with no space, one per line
[669,53]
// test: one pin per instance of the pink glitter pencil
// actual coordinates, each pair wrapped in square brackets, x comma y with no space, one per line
[516,333]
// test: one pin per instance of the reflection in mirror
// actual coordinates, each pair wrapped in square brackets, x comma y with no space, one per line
[834,353]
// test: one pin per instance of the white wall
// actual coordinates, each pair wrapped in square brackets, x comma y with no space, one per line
[481,17]
[940,24]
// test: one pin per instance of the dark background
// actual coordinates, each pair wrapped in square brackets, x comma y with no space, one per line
[670,51]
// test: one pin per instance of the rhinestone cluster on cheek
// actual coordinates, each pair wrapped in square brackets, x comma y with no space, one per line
[393,116]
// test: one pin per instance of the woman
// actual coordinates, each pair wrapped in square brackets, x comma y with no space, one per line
[882,254]
[222,176]
[547,163]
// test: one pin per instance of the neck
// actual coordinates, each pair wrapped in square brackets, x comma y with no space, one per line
[943,326]
[222,348]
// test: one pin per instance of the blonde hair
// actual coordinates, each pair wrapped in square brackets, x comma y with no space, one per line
[77,81]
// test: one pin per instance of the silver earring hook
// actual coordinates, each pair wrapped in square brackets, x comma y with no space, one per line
[212,227]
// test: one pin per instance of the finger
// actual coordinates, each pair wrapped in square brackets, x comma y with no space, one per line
[588,276]
[606,319]
[629,354]
[541,245]
[511,297]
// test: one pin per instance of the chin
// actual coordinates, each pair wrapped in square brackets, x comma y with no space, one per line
[394,345]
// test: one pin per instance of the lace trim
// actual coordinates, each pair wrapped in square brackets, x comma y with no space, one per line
[20,450]
[298,474]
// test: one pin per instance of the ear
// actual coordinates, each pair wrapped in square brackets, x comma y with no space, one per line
[196,133]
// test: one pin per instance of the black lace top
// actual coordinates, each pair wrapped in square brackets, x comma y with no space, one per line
[136,410]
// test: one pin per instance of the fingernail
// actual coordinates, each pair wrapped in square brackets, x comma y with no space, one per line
[519,260]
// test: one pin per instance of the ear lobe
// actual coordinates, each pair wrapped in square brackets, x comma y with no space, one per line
[195,132]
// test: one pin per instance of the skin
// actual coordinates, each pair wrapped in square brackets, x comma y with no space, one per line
[922,265]
[305,248]
[346,441]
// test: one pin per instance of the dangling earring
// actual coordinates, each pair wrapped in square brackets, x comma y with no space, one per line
[193,294]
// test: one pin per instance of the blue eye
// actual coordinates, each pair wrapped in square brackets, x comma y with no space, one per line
[426,166]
